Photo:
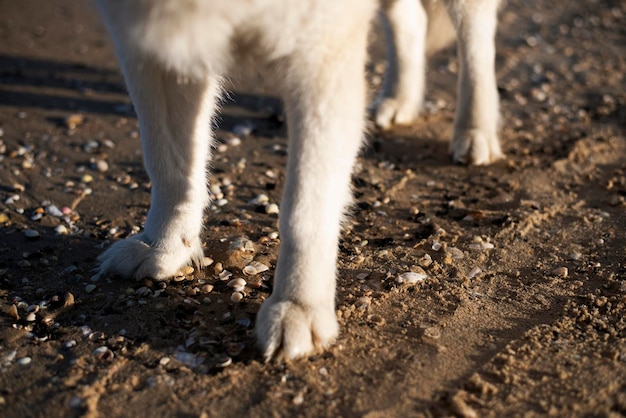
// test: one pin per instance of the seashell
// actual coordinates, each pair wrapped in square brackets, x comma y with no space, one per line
[236,297]
[411,277]
[24,361]
[237,284]
[255,268]
[31,234]
[68,344]
[103,353]
[272,209]
[61,230]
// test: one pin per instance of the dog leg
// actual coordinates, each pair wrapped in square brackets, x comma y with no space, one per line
[325,99]
[403,91]
[174,118]
[475,138]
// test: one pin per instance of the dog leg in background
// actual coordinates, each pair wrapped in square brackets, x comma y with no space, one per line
[402,96]
[325,102]
[475,139]
[174,120]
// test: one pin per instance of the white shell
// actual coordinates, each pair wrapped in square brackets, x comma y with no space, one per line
[411,277]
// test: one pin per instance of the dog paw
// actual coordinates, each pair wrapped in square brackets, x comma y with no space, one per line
[287,330]
[473,147]
[392,111]
[138,258]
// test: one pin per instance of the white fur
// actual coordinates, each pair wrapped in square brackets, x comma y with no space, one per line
[173,54]
[416,29]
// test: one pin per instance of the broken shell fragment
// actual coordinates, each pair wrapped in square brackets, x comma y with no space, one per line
[254,268]
[237,284]
[236,297]
[411,277]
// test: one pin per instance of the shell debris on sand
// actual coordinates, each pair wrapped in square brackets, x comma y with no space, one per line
[412,277]
[255,268]
[238,284]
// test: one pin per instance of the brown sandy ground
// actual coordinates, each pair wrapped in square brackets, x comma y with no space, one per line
[521,313]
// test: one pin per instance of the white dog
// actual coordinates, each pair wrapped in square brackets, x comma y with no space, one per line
[173,54]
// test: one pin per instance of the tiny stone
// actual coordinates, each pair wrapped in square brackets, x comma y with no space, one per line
[272,209]
[224,361]
[411,277]
[72,121]
[237,284]
[54,211]
[298,399]
[61,230]
[31,233]
[102,166]
[24,361]
[68,344]
[560,272]
[90,288]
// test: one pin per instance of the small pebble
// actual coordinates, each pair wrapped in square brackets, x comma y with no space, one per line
[31,234]
[560,272]
[90,288]
[261,199]
[24,361]
[233,141]
[103,353]
[102,166]
[411,277]
[68,344]
[298,399]
[61,230]
[272,209]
